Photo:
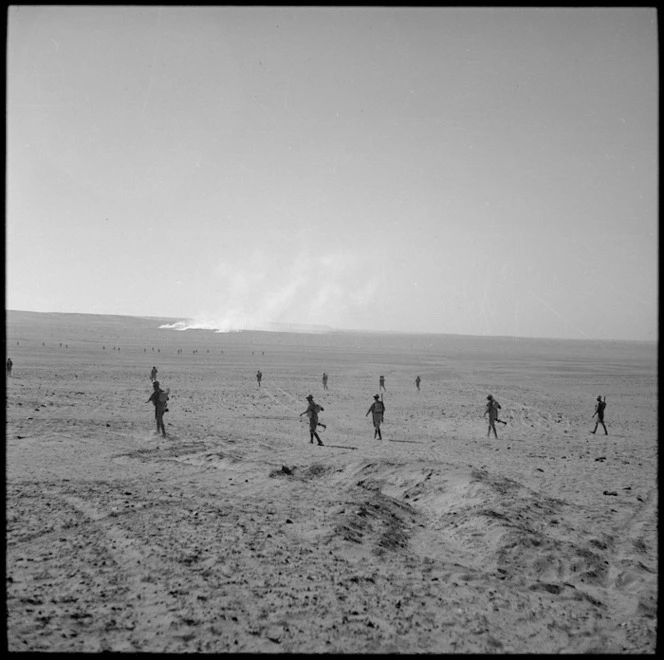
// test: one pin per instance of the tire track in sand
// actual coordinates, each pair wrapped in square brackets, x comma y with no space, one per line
[637,579]
[289,405]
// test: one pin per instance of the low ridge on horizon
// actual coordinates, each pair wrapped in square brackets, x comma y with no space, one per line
[297,328]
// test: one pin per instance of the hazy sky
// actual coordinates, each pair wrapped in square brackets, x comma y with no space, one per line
[474,171]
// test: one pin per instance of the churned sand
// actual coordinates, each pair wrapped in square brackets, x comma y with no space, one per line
[235,534]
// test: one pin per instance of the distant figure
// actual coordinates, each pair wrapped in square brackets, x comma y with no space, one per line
[10,364]
[324,381]
[381,384]
[312,412]
[153,374]
[599,411]
[160,400]
[259,377]
[492,408]
[377,409]
[418,380]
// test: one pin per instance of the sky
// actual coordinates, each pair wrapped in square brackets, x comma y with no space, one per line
[479,171]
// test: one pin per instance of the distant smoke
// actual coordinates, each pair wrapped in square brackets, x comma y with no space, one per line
[307,292]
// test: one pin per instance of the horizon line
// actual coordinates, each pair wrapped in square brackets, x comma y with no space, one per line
[325,329]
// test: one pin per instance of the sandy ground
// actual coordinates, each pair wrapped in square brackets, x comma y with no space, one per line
[235,534]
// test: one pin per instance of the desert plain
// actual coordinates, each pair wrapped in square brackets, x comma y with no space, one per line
[235,534]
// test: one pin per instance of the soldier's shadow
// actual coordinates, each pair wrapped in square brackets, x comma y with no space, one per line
[414,442]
